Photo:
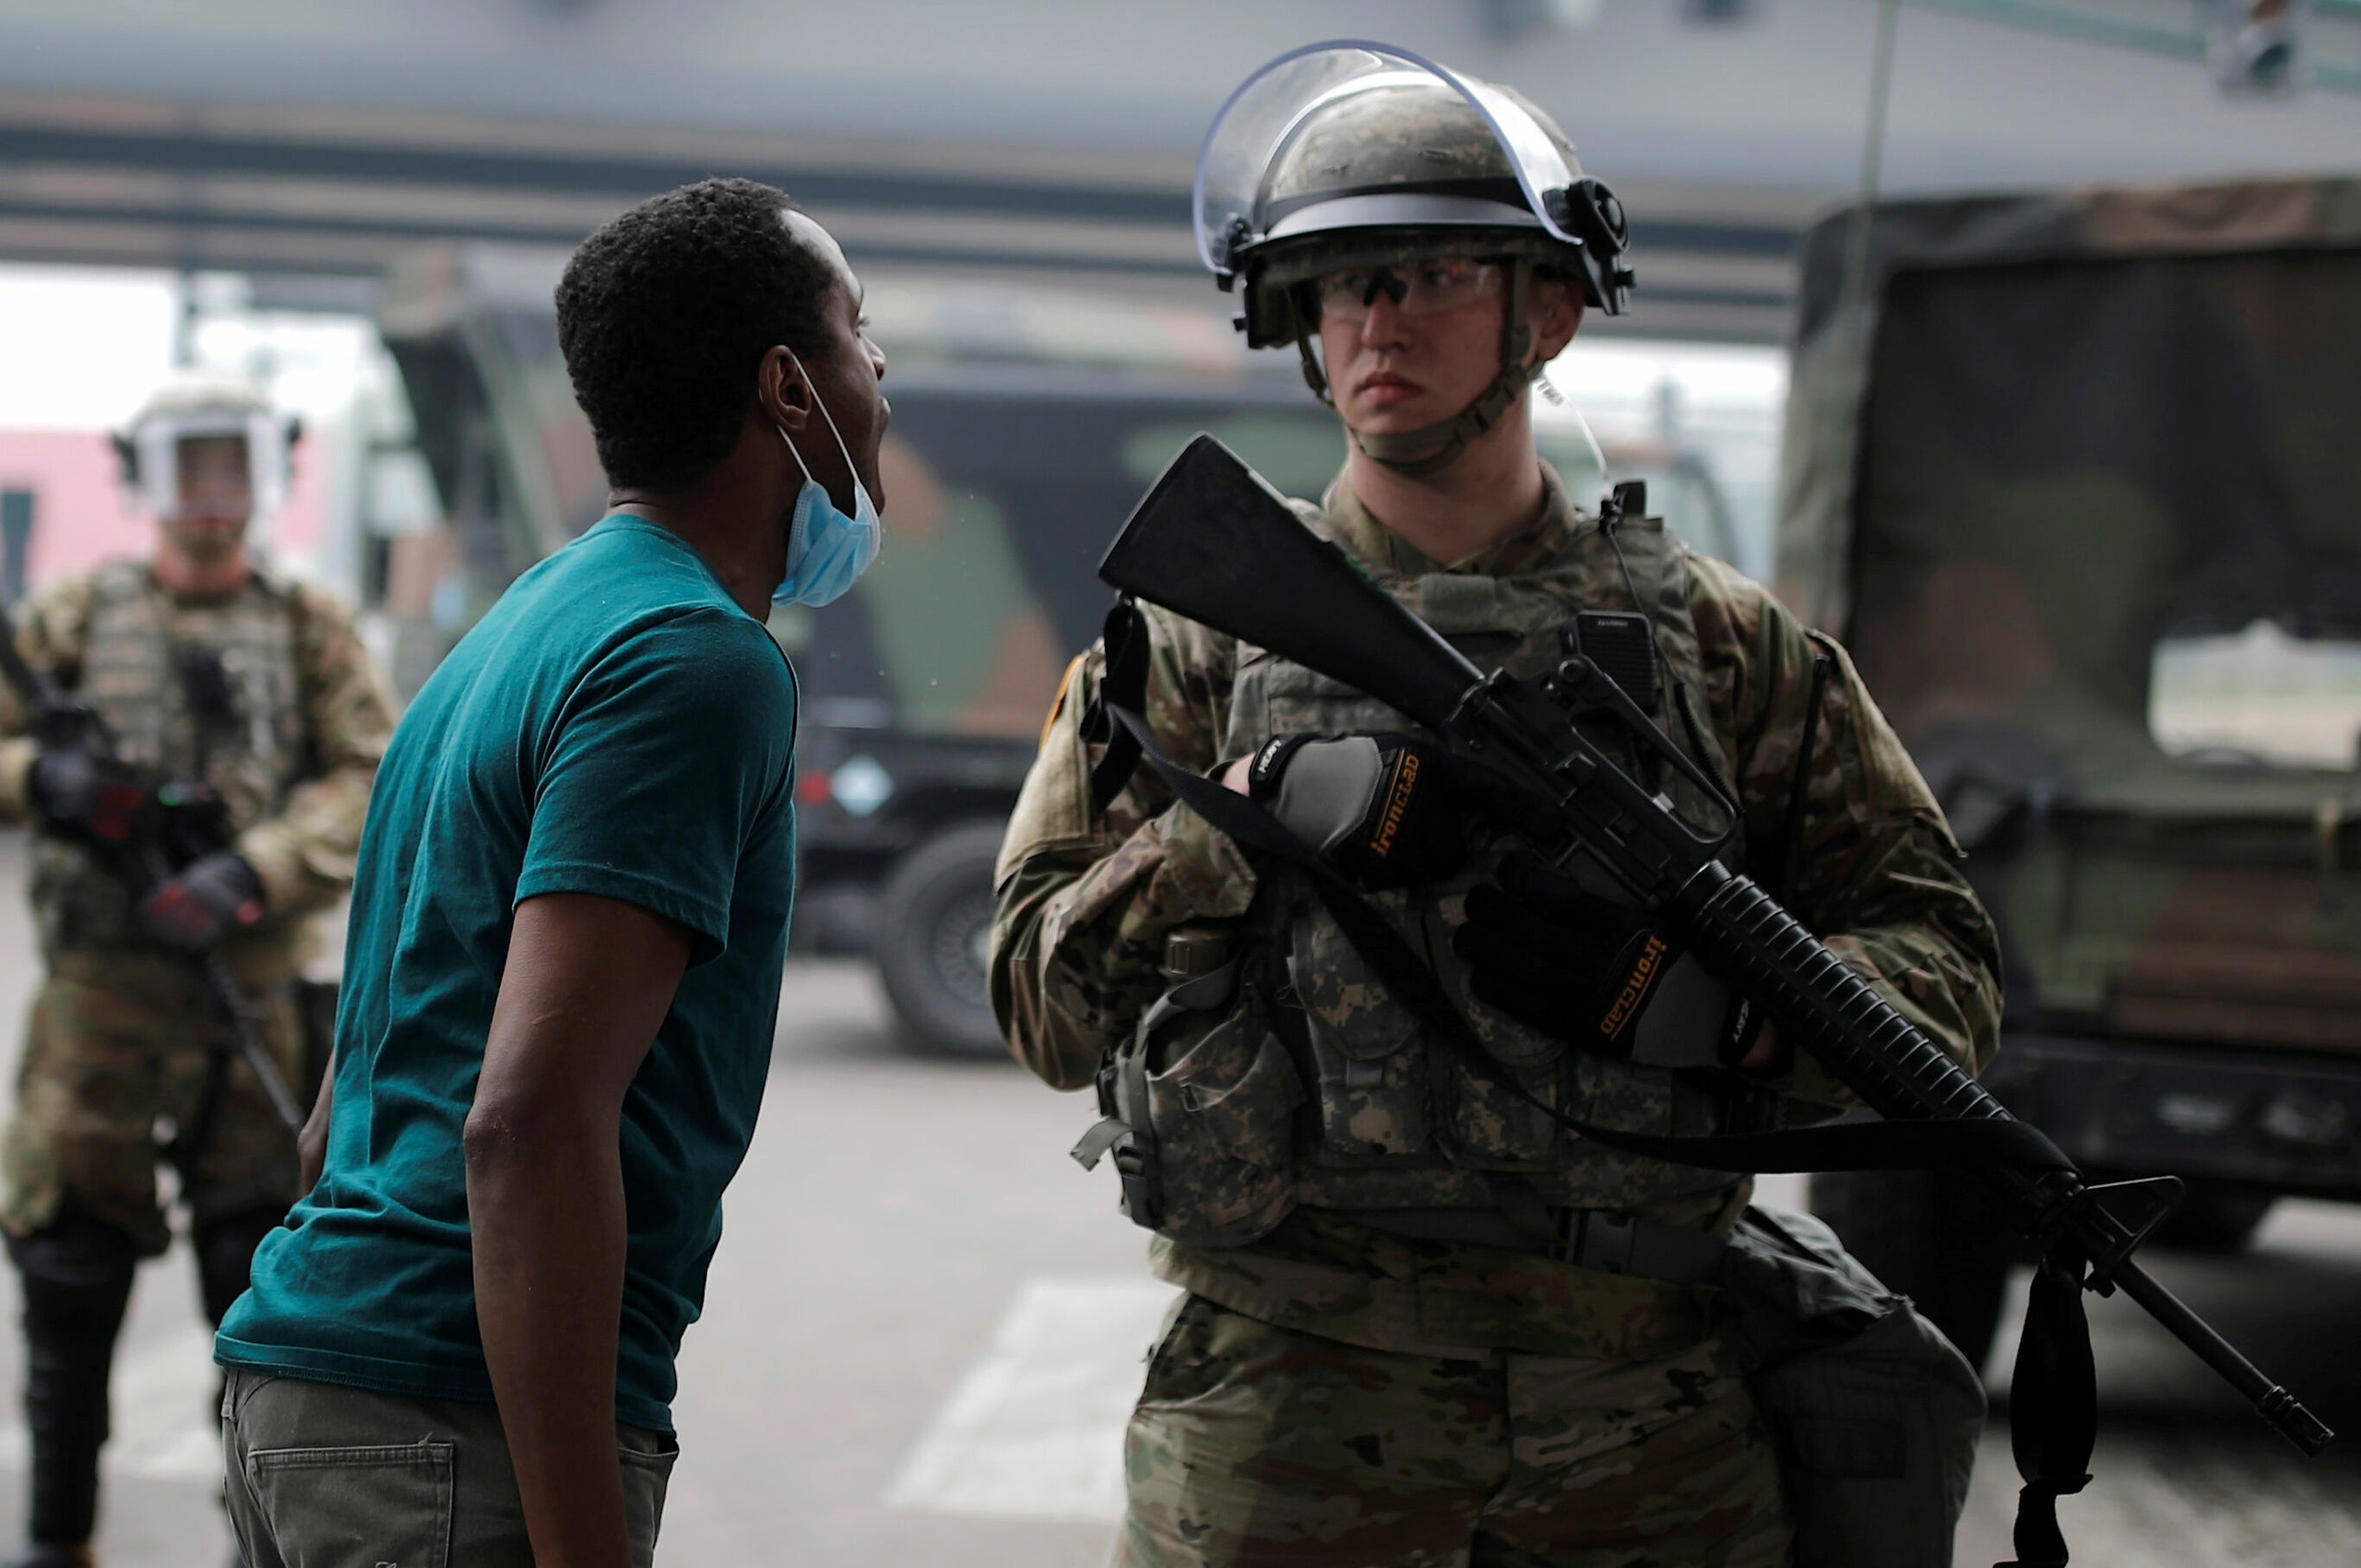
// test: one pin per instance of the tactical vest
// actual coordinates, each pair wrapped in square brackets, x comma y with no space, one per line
[143,669]
[1292,1076]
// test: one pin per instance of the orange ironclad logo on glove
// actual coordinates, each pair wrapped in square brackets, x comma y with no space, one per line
[1636,987]
[1397,801]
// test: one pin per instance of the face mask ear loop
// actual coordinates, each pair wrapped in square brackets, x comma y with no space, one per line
[794,454]
[842,450]
[802,466]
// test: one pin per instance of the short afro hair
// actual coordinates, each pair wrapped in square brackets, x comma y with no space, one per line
[664,313]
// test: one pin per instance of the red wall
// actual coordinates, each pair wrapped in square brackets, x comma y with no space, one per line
[81,515]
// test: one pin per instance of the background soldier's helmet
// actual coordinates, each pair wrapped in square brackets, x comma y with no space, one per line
[195,403]
[1349,156]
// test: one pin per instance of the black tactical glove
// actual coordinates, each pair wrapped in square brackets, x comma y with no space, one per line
[1376,807]
[1566,961]
[1596,973]
[212,896]
[82,790]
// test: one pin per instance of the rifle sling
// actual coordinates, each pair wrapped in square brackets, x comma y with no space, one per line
[1123,685]
[2054,1408]
[1867,1146]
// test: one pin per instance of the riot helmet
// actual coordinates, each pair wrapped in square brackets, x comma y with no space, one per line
[193,405]
[1349,156]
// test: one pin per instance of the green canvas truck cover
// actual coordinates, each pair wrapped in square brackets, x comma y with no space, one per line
[2080,488]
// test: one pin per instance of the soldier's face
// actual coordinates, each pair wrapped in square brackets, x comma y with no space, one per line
[1414,348]
[217,495]
[1406,357]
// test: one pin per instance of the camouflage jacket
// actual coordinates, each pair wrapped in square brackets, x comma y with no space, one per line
[293,757]
[1086,903]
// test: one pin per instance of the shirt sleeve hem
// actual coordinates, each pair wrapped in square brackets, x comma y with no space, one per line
[709,922]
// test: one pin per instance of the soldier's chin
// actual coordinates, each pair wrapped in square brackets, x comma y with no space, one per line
[1394,422]
[210,535]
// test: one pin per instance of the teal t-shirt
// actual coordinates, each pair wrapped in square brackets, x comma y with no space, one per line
[615,725]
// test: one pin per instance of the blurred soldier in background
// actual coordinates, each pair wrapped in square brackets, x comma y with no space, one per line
[1425,1322]
[242,705]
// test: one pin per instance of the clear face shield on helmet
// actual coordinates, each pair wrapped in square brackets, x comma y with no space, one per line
[156,444]
[1230,202]
[1343,170]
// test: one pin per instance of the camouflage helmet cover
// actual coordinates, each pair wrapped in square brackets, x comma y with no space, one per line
[1354,154]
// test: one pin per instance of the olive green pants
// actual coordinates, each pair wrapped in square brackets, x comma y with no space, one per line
[320,1475]
[112,1051]
[1262,1445]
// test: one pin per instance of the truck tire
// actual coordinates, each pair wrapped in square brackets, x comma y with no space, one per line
[1933,1236]
[933,919]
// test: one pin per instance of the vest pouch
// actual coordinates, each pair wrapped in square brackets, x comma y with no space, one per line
[1486,1127]
[1490,1129]
[1123,1130]
[1373,1094]
[1221,1109]
[1875,1416]
[1619,1094]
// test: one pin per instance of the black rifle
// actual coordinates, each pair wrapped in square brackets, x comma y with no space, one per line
[142,863]
[1214,543]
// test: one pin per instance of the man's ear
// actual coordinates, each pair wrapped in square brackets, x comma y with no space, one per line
[783,389]
[1555,313]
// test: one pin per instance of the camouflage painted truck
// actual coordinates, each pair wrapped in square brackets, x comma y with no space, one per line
[2079,487]
[1027,422]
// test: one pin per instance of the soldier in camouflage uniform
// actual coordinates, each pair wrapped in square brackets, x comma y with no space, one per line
[1425,1324]
[217,681]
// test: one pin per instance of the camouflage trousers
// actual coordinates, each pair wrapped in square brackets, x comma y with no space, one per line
[1259,1445]
[118,1053]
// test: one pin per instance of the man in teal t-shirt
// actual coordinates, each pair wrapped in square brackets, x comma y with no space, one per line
[567,933]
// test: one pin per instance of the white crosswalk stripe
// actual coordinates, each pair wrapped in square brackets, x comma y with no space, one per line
[1035,1430]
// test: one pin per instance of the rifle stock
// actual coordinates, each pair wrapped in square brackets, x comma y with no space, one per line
[1213,541]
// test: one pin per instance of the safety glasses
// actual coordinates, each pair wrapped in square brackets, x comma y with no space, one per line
[1416,288]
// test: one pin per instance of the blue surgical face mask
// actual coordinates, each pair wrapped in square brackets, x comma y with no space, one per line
[827,549]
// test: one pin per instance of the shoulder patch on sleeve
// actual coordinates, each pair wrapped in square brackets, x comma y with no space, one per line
[1054,808]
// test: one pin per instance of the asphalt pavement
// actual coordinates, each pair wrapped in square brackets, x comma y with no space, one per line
[925,1324]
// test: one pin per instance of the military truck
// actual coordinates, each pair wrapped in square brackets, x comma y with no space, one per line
[1028,419]
[2076,479]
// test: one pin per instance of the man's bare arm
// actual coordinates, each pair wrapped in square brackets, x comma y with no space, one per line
[588,979]
[312,1142]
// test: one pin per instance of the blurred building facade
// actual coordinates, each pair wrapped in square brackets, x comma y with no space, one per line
[306,143]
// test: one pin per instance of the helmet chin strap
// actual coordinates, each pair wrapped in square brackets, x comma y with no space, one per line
[1433,447]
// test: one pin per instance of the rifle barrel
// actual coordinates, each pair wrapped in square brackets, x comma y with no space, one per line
[1901,1074]
[2282,1409]
[223,987]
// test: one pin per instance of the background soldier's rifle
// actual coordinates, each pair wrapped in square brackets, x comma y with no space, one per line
[1214,543]
[142,862]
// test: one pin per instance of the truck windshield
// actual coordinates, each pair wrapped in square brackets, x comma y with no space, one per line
[2257,697]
